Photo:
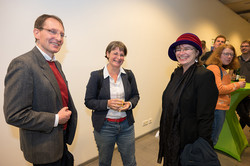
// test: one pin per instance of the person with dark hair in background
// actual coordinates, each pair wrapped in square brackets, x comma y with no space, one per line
[223,58]
[188,104]
[219,40]
[243,107]
[204,48]
[112,94]
[37,99]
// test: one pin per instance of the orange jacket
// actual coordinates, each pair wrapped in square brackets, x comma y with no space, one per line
[225,87]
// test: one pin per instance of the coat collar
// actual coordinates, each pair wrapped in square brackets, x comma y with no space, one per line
[106,73]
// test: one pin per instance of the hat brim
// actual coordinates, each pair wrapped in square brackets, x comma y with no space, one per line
[171,50]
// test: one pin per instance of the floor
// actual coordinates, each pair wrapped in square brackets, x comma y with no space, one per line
[147,150]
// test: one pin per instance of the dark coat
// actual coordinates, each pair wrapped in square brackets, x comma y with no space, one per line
[196,106]
[96,98]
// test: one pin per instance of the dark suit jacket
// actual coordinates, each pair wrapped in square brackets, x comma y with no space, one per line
[97,100]
[31,99]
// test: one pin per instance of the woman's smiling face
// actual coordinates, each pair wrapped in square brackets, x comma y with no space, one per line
[116,57]
[186,55]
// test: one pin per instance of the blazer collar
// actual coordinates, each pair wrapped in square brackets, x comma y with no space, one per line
[46,56]
[48,73]
[106,73]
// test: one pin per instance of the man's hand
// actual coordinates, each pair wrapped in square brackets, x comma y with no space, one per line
[64,115]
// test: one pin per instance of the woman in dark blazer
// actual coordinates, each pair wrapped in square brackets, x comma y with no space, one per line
[112,94]
[188,101]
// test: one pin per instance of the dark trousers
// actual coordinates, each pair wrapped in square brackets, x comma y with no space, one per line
[243,110]
[66,160]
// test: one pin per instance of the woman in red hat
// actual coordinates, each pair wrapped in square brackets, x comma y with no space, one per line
[188,102]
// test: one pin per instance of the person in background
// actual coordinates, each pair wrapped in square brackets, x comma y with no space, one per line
[219,40]
[37,99]
[204,48]
[188,102]
[112,94]
[243,107]
[223,58]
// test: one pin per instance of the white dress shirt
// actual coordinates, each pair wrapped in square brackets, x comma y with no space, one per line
[116,92]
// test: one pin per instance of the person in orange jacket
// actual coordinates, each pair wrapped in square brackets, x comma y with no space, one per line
[223,58]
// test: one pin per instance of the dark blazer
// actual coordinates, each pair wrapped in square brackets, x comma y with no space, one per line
[31,99]
[96,98]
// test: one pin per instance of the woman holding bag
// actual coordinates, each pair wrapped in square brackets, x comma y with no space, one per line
[188,101]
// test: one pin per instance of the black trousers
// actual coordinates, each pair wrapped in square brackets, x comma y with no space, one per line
[66,160]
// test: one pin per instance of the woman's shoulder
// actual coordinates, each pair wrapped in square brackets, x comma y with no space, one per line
[211,67]
[97,73]
[127,70]
[204,72]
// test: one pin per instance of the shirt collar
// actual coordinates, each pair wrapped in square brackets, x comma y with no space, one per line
[46,56]
[106,73]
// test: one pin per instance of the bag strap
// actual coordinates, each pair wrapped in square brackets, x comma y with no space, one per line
[221,73]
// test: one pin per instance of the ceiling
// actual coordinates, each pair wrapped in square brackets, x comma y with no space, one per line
[240,7]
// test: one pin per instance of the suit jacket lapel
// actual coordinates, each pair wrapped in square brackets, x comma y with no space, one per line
[125,84]
[106,87]
[48,73]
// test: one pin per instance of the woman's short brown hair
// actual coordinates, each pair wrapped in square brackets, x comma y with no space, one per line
[113,45]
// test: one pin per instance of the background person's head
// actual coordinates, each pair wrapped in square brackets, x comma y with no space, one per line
[224,55]
[245,47]
[203,46]
[219,40]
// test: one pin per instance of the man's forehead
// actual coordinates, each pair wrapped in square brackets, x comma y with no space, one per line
[220,38]
[245,44]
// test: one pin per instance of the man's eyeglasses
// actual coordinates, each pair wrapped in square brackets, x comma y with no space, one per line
[243,46]
[228,54]
[178,50]
[54,32]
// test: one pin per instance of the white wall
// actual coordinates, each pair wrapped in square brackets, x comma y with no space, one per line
[147,27]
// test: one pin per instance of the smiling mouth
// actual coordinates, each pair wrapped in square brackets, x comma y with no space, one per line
[56,44]
[183,57]
[119,62]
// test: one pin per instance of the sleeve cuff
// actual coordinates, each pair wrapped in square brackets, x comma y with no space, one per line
[56,120]
[130,107]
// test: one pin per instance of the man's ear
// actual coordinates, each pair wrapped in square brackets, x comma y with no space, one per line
[36,33]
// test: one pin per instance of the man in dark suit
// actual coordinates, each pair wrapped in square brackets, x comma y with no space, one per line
[37,100]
